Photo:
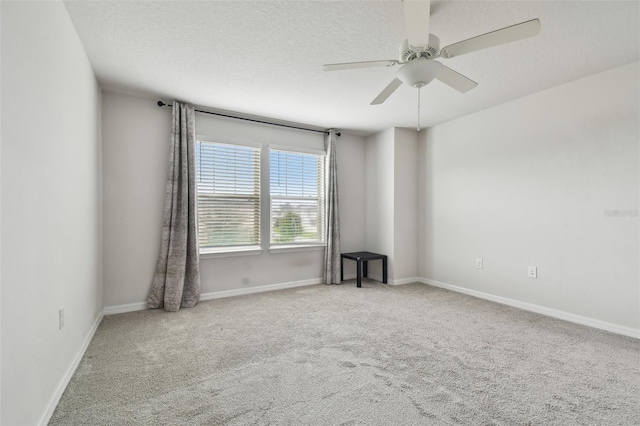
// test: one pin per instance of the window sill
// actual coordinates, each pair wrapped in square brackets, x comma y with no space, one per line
[231,252]
[295,248]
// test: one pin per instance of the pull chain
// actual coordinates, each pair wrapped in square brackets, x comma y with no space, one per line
[418,128]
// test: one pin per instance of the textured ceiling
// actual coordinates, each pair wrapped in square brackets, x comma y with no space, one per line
[265,58]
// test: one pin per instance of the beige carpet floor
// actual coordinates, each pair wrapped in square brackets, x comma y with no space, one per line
[338,355]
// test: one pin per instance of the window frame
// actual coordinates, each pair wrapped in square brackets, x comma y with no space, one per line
[242,249]
[321,199]
[265,213]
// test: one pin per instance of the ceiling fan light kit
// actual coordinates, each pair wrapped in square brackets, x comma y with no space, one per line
[418,51]
[419,72]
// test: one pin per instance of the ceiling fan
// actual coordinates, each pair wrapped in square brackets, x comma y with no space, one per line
[418,51]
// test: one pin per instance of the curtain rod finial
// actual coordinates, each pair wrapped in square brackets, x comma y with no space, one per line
[161,104]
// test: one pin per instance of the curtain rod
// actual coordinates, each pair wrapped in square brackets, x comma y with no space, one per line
[162,104]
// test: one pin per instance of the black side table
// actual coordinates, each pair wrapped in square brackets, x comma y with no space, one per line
[362,258]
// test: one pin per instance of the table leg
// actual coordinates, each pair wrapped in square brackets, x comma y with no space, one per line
[341,268]
[384,269]
[359,276]
[365,269]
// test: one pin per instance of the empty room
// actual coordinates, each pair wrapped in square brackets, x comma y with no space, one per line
[320,212]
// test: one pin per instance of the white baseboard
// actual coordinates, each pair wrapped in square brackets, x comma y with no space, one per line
[578,319]
[405,281]
[62,385]
[141,306]
[121,309]
[259,289]
[390,282]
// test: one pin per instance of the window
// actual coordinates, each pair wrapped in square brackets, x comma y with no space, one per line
[230,207]
[297,197]
[228,180]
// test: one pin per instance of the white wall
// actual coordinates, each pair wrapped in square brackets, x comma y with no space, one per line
[528,183]
[51,248]
[379,200]
[405,256]
[391,203]
[135,158]
[351,188]
[135,143]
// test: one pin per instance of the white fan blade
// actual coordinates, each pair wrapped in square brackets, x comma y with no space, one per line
[494,38]
[456,80]
[386,92]
[416,19]
[364,64]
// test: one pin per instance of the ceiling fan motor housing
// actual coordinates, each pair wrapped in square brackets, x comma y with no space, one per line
[409,53]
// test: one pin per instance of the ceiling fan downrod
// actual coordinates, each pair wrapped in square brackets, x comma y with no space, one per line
[418,127]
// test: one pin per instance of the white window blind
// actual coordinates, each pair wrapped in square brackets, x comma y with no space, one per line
[297,197]
[228,195]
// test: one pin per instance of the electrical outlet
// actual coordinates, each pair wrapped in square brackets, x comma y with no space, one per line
[61,317]
[532,272]
[479,263]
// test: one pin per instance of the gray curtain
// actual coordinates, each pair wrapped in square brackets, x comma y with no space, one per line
[176,282]
[332,252]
